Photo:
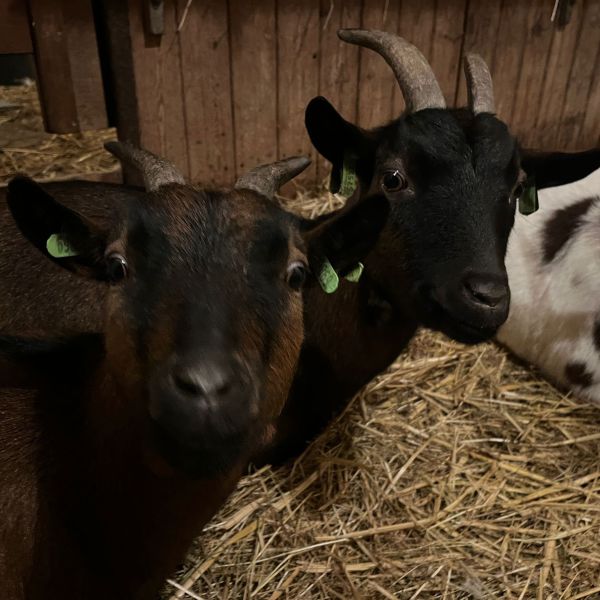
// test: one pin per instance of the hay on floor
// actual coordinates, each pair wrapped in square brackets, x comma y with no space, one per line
[456,474]
[26,148]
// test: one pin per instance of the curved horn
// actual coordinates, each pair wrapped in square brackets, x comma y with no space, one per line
[267,179]
[480,89]
[415,77]
[156,171]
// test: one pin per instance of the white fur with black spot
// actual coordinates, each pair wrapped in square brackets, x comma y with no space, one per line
[555,305]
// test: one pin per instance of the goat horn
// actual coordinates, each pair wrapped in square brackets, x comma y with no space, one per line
[155,171]
[267,179]
[480,89]
[415,77]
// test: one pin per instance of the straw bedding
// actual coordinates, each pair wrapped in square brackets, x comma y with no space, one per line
[458,473]
[26,148]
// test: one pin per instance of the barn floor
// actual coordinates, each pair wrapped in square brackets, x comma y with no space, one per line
[457,474]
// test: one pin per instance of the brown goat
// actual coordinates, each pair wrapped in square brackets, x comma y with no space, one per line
[123,444]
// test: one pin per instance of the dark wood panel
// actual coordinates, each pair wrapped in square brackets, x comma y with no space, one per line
[481,36]
[446,44]
[580,77]
[68,65]
[436,28]
[297,76]
[508,57]
[528,88]
[556,80]
[205,57]
[229,90]
[376,81]
[338,68]
[159,87]
[590,129]
[14,28]
[254,77]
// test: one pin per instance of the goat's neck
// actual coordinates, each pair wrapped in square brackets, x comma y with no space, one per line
[144,514]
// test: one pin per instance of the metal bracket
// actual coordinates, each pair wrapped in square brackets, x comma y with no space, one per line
[155,16]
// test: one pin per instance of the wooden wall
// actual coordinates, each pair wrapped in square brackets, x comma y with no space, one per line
[225,87]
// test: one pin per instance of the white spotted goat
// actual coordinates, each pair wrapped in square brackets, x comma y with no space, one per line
[553,264]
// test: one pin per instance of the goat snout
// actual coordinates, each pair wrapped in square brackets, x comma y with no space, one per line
[200,401]
[210,384]
[487,291]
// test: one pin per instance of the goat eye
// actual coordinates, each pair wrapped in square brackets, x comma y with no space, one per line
[393,181]
[296,275]
[116,267]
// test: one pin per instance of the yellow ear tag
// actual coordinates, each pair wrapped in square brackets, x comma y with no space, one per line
[354,275]
[328,278]
[58,247]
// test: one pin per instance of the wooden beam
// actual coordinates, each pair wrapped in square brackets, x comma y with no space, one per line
[68,65]
[14,28]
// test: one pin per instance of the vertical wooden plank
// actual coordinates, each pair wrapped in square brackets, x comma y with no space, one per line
[377,84]
[254,75]
[506,66]
[481,36]
[157,70]
[445,51]
[416,24]
[556,80]
[55,83]
[338,69]
[68,65]
[436,29]
[114,34]
[206,84]
[590,132]
[297,76]
[85,64]
[528,88]
[14,28]
[581,76]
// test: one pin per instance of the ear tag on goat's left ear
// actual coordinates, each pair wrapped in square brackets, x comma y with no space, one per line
[348,181]
[354,275]
[528,201]
[58,247]
[328,278]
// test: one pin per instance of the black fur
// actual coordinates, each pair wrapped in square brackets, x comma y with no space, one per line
[561,227]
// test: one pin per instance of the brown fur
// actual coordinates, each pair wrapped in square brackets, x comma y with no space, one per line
[95,508]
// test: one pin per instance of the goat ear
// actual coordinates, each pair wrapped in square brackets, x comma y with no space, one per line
[335,138]
[346,237]
[64,236]
[559,168]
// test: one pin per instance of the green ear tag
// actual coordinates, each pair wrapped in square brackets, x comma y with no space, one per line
[528,202]
[58,247]
[354,275]
[349,181]
[328,278]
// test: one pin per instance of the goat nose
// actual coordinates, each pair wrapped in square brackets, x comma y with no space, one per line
[212,382]
[488,290]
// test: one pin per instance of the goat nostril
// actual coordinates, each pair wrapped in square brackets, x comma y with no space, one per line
[199,382]
[488,293]
[223,389]
[186,384]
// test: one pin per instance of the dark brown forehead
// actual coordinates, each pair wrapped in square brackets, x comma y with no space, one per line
[181,224]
